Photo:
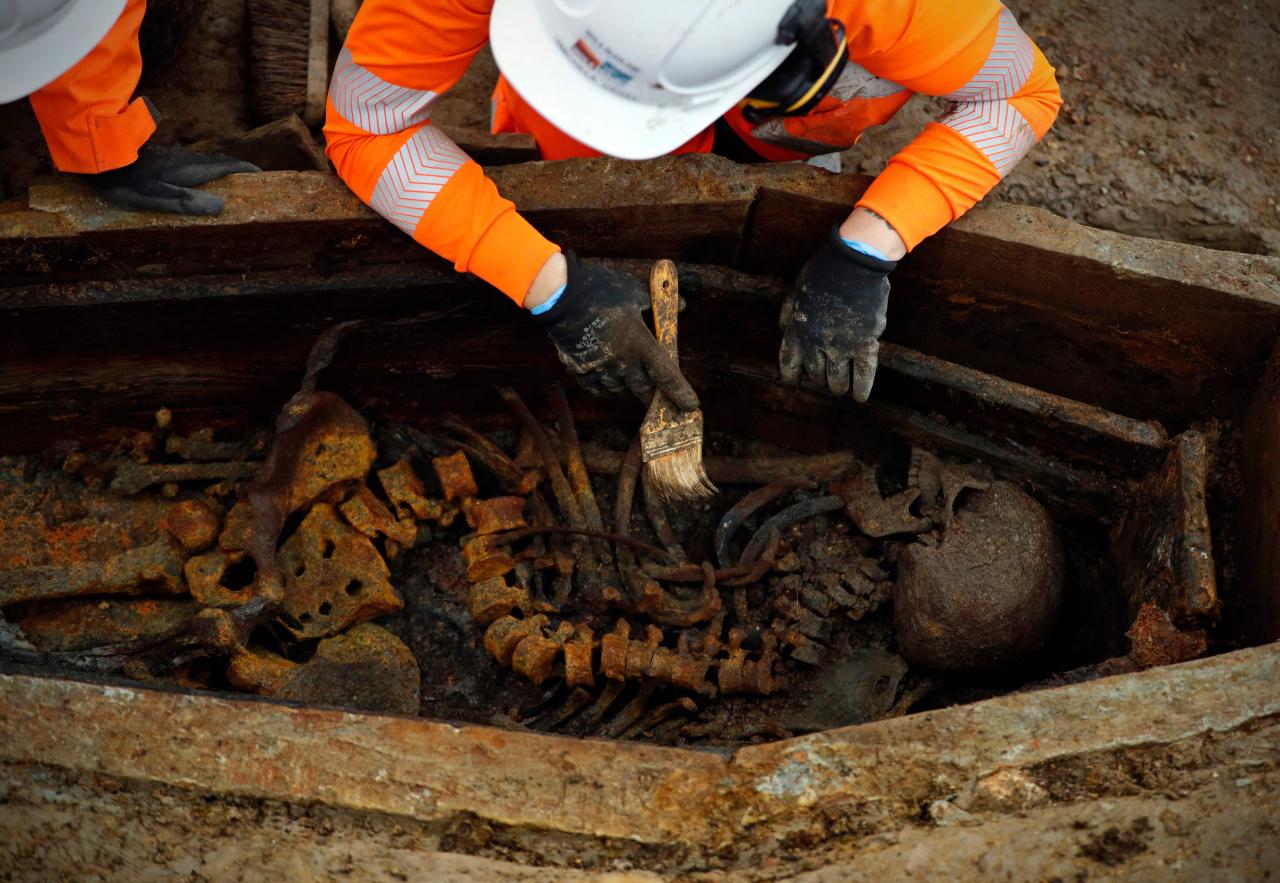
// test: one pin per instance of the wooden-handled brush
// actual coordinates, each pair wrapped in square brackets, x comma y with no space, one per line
[671,439]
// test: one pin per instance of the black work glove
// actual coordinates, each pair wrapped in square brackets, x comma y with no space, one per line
[160,179]
[832,320]
[597,327]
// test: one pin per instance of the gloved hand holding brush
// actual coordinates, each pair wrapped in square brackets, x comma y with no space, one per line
[595,321]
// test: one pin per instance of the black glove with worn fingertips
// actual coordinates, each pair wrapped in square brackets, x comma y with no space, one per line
[602,337]
[833,319]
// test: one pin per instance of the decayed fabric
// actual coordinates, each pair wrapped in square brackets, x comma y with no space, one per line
[86,116]
[401,54]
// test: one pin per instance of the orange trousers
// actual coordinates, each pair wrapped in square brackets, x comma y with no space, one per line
[86,116]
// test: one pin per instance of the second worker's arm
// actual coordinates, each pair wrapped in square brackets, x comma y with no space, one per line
[399,57]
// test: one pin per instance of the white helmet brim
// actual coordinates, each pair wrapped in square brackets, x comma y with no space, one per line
[28,65]
[616,126]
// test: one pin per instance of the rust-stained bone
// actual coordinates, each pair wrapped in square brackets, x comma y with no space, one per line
[989,592]
[136,646]
[496,514]
[603,562]
[493,598]
[1163,544]
[534,657]
[487,556]
[334,576]
[503,635]
[367,514]
[201,445]
[940,484]
[207,575]
[321,446]
[769,531]
[875,515]
[624,658]
[513,479]
[748,506]
[408,496]
[739,674]
[656,509]
[456,481]
[564,496]
[132,478]
[366,668]
[638,587]
[82,624]
[155,567]
[578,652]
[193,523]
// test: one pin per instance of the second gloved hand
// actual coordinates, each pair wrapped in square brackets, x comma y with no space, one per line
[833,319]
[597,327]
[162,177]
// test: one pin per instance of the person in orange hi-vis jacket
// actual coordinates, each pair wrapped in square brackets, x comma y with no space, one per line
[775,79]
[79,62]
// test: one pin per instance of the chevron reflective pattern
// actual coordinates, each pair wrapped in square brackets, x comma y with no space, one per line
[980,109]
[372,103]
[417,172]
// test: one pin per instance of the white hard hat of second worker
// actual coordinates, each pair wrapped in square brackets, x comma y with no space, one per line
[638,79]
[40,40]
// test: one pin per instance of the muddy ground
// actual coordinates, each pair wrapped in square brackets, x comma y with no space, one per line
[1170,128]
[1200,809]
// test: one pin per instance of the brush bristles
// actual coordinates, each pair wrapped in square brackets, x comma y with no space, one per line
[678,475]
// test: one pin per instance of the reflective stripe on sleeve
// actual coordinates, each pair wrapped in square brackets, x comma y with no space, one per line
[980,109]
[373,104]
[418,171]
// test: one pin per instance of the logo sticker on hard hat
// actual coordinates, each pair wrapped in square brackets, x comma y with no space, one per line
[592,57]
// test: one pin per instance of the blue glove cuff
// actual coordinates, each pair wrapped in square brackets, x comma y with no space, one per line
[863,248]
[549,302]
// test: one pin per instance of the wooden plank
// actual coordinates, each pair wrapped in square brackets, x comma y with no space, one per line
[1162,544]
[868,775]
[1259,544]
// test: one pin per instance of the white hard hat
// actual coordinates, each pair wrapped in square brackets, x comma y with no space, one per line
[40,40]
[636,79]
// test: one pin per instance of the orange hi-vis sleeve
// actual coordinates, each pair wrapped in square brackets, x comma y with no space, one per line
[86,116]
[1002,92]
[399,57]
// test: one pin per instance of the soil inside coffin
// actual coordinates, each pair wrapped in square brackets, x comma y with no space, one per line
[805,642]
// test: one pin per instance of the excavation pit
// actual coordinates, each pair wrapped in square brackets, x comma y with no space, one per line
[1081,367]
